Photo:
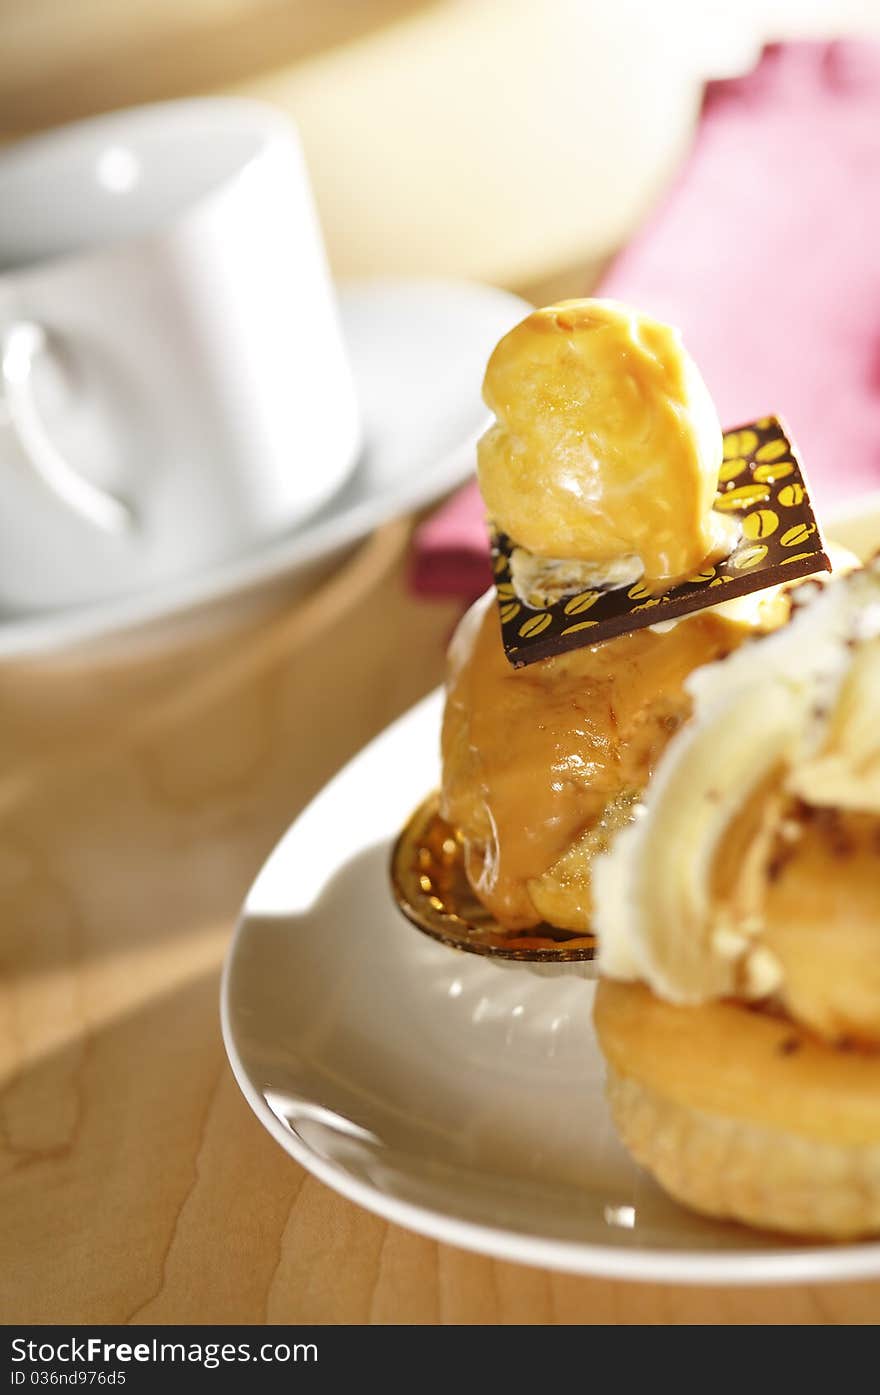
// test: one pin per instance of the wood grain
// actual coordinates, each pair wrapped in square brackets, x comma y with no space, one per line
[135,1184]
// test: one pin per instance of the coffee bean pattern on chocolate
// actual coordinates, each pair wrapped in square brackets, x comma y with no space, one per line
[760,483]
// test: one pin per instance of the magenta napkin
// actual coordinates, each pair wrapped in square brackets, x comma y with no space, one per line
[767,254]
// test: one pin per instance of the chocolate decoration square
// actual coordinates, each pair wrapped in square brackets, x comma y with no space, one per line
[761,483]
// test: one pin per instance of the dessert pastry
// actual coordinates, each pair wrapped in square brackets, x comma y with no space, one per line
[542,765]
[620,514]
[739,930]
[603,467]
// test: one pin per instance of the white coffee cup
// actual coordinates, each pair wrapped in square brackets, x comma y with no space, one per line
[173,382]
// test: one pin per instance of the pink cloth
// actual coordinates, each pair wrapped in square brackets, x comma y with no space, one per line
[767,254]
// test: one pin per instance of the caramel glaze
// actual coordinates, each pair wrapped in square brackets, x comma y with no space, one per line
[811,895]
[606,443]
[533,756]
[822,922]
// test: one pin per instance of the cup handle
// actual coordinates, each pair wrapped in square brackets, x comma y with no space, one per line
[20,346]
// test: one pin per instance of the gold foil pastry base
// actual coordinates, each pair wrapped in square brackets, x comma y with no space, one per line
[432,890]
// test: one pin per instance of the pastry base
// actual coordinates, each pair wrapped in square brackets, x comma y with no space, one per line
[431,888]
[741,1116]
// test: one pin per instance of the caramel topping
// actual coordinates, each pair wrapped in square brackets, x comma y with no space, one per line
[606,444]
[809,895]
[533,757]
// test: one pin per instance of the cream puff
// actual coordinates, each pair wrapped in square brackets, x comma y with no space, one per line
[602,466]
[739,932]
[606,446]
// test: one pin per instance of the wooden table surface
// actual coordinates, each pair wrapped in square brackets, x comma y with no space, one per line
[138,797]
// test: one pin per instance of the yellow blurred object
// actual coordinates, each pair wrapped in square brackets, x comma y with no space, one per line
[514,141]
[493,140]
[607,444]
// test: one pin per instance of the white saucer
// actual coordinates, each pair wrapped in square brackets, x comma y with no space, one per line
[455,1095]
[418,350]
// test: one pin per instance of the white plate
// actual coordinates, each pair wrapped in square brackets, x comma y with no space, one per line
[457,1096]
[418,350]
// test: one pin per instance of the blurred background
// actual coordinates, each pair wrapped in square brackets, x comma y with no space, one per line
[506,140]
